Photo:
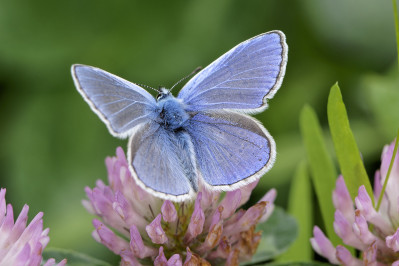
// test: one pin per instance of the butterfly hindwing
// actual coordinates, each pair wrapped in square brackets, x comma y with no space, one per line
[121,104]
[241,79]
[163,162]
[232,149]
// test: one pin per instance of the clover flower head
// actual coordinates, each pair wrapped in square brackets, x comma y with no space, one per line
[21,244]
[374,233]
[160,232]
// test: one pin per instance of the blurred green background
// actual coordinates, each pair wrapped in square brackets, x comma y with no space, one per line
[52,145]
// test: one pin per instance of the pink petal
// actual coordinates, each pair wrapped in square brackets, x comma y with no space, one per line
[175,260]
[386,158]
[197,220]
[322,245]
[270,196]
[155,231]
[246,192]
[370,255]
[392,241]
[391,191]
[344,230]
[169,212]
[5,228]
[194,259]
[88,206]
[377,184]
[216,217]
[365,206]
[232,259]
[108,238]
[137,245]
[342,200]
[121,205]
[160,260]
[346,258]
[230,203]
[2,205]
[20,223]
[222,251]
[62,263]
[209,198]
[128,259]
[250,218]
[24,256]
[49,262]
[213,237]
[101,204]
[361,229]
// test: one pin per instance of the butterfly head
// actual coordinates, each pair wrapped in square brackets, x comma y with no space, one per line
[163,94]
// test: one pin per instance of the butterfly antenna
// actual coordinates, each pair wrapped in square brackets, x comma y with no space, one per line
[198,69]
[148,87]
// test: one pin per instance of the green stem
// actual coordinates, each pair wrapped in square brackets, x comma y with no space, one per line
[389,172]
[395,14]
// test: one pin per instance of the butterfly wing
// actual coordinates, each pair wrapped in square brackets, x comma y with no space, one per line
[242,79]
[232,149]
[163,162]
[120,104]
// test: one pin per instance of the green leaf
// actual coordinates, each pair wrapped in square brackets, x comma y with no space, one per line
[346,149]
[322,168]
[73,258]
[279,231]
[300,206]
[382,99]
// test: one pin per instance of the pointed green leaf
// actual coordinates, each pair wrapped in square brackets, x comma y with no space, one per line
[300,206]
[74,258]
[322,168]
[346,149]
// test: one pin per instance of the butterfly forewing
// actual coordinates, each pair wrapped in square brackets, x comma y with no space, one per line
[121,104]
[241,79]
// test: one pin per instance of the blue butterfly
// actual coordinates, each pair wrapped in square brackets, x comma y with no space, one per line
[202,136]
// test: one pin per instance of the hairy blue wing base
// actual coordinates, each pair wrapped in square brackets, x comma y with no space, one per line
[163,162]
[231,149]
[241,79]
[121,104]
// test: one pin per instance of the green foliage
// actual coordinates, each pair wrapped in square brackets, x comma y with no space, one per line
[279,231]
[300,206]
[382,96]
[348,154]
[321,166]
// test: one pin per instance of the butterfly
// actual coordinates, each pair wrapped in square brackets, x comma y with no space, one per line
[202,136]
